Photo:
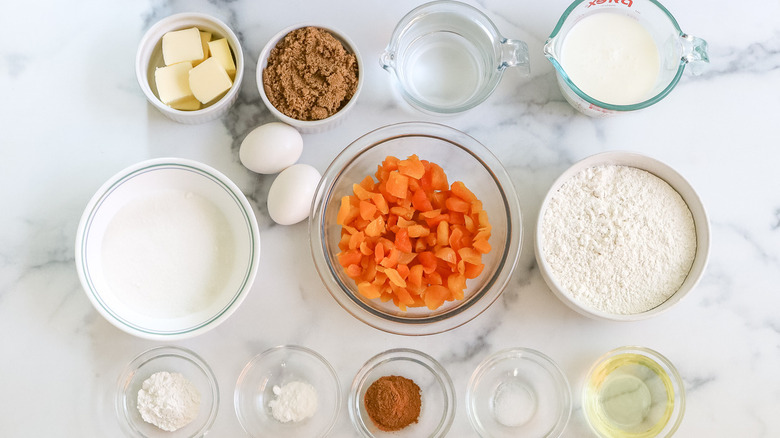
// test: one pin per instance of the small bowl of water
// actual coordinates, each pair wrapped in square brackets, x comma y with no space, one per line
[448,57]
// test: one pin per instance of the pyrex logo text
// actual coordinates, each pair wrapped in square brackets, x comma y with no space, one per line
[598,2]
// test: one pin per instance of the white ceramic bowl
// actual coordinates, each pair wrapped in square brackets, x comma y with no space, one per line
[312,126]
[678,183]
[173,360]
[221,210]
[149,57]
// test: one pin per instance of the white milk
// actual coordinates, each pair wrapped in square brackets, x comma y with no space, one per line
[168,254]
[612,58]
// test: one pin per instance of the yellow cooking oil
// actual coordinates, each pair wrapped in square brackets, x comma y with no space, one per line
[629,395]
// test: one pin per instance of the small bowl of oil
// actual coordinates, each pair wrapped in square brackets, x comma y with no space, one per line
[633,392]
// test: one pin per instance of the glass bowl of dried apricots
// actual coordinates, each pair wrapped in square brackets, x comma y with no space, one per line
[415,228]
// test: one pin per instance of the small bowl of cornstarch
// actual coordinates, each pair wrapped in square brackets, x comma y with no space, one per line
[167,249]
[167,391]
[621,236]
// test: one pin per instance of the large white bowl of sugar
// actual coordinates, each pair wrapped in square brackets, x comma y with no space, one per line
[622,237]
[167,249]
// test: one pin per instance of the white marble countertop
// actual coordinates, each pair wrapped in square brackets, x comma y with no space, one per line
[73,115]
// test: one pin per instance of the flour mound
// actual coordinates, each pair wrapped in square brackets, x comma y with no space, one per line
[168,401]
[619,239]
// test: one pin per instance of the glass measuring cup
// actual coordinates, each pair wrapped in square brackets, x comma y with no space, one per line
[448,57]
[675,48]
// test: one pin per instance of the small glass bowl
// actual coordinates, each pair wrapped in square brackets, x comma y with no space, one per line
[518,392]
[436,389]
[463,159]
[633,392]
[171,359]
[276,367]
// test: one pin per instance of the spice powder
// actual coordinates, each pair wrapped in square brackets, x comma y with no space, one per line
[393,402]
[310,75]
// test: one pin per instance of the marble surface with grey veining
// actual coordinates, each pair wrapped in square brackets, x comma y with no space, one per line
[72,115]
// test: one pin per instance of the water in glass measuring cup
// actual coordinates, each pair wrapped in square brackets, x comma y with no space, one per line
[448,56]
[442,68]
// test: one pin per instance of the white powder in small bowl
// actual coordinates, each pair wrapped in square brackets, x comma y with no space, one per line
[295,401]
[168,401]
[618,239]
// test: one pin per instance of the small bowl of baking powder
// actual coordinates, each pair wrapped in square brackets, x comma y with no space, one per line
[621,236]
[309,76]
[288,390]
[169,392]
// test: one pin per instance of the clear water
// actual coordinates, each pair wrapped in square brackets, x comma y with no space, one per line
[442,69]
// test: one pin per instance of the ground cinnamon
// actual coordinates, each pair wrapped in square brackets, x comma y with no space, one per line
[310,75]
[393,402]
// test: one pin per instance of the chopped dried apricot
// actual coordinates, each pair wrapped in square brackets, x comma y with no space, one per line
[411,238]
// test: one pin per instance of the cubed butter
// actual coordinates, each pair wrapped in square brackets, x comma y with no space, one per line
[220,49]
[182,45]
[173,82]
[205,37]
[209,80]
[186,104]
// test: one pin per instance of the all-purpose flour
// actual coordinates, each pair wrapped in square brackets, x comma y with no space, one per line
[168,401]
[619,239]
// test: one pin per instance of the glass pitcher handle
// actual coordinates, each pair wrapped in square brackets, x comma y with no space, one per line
[514,53]
[694,53]
[387,60]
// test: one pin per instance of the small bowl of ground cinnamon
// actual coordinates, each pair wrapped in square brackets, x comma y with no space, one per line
[309,76]
[402,393]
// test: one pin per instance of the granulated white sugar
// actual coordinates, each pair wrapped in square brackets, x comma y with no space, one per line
[619,239]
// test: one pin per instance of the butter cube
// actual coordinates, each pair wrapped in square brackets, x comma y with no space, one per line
[186,104]
[182,45]
[205,37]
[209,80]
[173,82]
[220,49]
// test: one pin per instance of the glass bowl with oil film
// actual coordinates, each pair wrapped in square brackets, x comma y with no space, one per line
[633,392]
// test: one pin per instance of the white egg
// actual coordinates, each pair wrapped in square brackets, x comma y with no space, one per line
[271,148]
[291,193]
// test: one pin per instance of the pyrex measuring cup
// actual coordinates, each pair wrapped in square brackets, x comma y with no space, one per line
[675,50]
[448,57]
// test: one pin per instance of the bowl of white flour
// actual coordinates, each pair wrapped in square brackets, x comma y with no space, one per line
[167,391]
[167,249]
[621,236]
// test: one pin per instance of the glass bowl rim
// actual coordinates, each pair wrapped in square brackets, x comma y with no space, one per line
[128,375]
[320,359]
[538,358]
[674,376]
[404,354]
[467,309]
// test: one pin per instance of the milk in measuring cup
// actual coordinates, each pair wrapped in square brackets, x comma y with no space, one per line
[612,58]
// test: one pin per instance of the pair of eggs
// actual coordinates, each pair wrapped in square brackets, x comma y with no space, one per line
[275,148]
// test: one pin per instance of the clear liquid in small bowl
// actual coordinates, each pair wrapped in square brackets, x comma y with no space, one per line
[442,69]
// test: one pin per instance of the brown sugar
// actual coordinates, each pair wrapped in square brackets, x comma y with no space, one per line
[310,75]
[393,402]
